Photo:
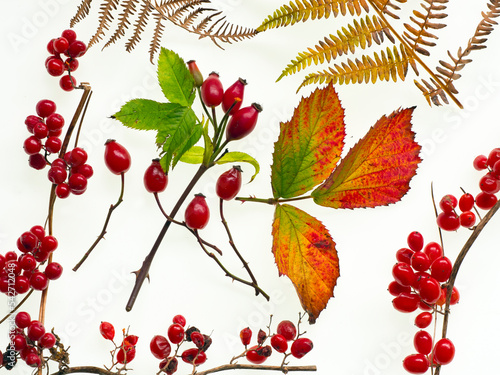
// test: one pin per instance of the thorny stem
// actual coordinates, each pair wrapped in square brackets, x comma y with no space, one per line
[458,262]
[106,222]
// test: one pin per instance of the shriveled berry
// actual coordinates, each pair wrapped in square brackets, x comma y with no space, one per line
[300,347]
[169,365]
[198,339]
[194,356]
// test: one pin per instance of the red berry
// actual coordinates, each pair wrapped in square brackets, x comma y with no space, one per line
[175,333]
[493,157]
[179,319]
[416,364]
[420,261]
[455,296]
[197,213]
[53,271]
[55,121]
[279,343]
[19,342]
[107,330]
[195,72]
[287,329]
[301,347]
[441,269]
[61,44]
[194,356]
[55,66]
[28,241]
[198,339]
[480,162]
[242,122]
[33,360]
[245,336]
[125,354]
[429,290]
[448,203]
[21,284]
[39,281]
[22,319]
[50,47]
[48,243]
[254,357]
[32,145]
[233,95]
[488,183]
[70,35]
[467,219]
[37,161]
[130,340]
[31,121]
[423,320]
[38,231]
[77,157]
[57,175]
[67,83]
[485,201]
[53,145]
[212,90]
[466,202]
[71,64]
[433,251]
[77,183]
[415,241]
[76,49]
[40,130]
[444,351]
[448,221]
[403,274]
[406,302]
[116,157]
[47,341]
[422,341]
[404,255]
[160,347]
[155,179]
[35,330]
[229,183]
[10,255]
[27,262]
[63,190]
[396,289]
[45,107]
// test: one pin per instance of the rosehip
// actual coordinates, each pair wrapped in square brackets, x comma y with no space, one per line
[197,213]
[195,72]
[155,179]
[229,183]
[116,157]
[233,95]
[242,122]
[212,90]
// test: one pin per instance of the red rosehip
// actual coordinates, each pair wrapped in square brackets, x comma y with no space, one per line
[243,122]
[229,183]
[212,90]
[116,157]
[197,213]
[155,179]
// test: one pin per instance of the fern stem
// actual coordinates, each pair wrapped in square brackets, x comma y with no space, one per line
[415,56]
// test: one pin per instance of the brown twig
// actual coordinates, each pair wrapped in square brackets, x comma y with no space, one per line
[237,366]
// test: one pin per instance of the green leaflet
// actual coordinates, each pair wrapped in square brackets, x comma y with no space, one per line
[175,80]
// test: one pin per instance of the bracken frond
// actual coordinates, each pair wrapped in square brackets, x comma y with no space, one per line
[388,7]
[139,26]
[419,36]
[81,12]
[155,42]
[129,8]
[391,64]
[359,34]
[302,10]
[105,17]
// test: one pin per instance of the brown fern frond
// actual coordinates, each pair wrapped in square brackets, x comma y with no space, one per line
[105,17]
[154,46]
[81,12]
[416,37]
[448,73]
[360,34]
[302,10]
[129,9]
[391,64]
[139,26]
[227,32]
[387,7]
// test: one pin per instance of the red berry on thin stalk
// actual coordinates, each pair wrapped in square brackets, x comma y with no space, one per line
[61,44]
[155,179]
[395,289]
[179,319]
[160,347]
[116,157]
[433,251]
[300,347]
[45,107]
[423,320]
[467,219]
[279,343]
[480,162]
[422,341]
[70,35]
[420,261]
[35,330]
[234,95]
[47,341]
[488,183]
[212,90]
[107,330]
[125,354]
[54,121]
[245,336]
[55,66]
[403,274]
[175,333]
[53,145]
[287,329]
[229,183]
[404,255]
[493,157]
[466,202]
[406,302]
[32,145]
[448,203]
[254,357]
[443,352]
[67,83]
[197,213]
[76,49]
[63,191]
[448,221]
[77,183]
[416,364]
[415,241]
[441,269]
[194,356]
[486,201]
[53,271]
[37,161]
[242,122]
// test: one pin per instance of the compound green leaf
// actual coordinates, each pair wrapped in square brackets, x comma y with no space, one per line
[193,156]
[309,145]
[175,80]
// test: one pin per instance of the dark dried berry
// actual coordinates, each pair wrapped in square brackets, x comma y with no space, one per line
[208,342]
[189,331]
[261,337]
[265,351]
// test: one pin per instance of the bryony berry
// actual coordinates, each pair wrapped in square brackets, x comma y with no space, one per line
[245,336]
[423,320]
[300,347]
[422,341]
[416,364]
[443,352]
[287,329]
[107,330]
[160,347]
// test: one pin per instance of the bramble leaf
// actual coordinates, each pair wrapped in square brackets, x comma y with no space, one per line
[175,80]
[305,252]
[309,145]
[377,170]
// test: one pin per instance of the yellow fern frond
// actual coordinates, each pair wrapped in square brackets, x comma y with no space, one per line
[359,34]
[302,10]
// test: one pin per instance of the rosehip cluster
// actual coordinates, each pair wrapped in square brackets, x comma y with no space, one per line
[125,352]
[420,282]
[30,339]
[286,332]
[66,45]
[489,185]
[178,334]
[19,274]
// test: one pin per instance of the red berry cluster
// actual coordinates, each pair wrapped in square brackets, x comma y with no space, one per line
[30,339]
[125,352]
[448,219]
[420,282]
[19,274]
[178,334]
[66,45]
[286,332]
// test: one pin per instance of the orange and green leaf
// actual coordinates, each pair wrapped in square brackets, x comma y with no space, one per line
[305,252]
[309,145]
[377,170]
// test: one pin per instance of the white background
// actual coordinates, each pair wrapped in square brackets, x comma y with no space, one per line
[359,333]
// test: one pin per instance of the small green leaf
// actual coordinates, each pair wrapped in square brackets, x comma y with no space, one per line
[193,156]
[209,146]
[175,80]
[236,156]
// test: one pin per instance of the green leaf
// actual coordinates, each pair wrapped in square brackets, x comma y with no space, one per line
[209,146]
[175,80]
[193,156]
[236,156]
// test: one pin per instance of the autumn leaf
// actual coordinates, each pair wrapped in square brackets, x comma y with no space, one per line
[309,145]
[305,252]
[377,170]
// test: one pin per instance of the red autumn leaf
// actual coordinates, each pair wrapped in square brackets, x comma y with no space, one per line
[305,252]
[309,145]
[377,170]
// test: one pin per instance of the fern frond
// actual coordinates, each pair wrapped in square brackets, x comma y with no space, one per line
[154,46]
[360,34]
[124,21]
[302,10]
[81,12]
[105,17]
[139,26]
[416,37]
[391,64]
[227,32]
[387,6]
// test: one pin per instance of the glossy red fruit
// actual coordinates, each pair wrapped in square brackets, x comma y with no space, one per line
[57,175]
[415,241]
[433,251]
[47,341]
[35,330]
[441,269]
[467,219]
[493,157]
[198,339]
[53,145]
[301,347]
[77,157]
[19,342]
[53,271]
[67,83]
[443,352]
[416,364]
[45,107]
[480,162]
[448,203]
[33,360]
[54,122]
[422,341]
[234,95]
[107,330]
[60,44]
[406,302]
[155,179]
[27,262]
[212,90]
[76,49]
[70,35]
[195,72]
[423,320]
[116,157]
[420,261]
[21,284]
[403,274]
[160,347]
[287,329]
[246,336]
[448,221]
[130,340]
[63,190]
[229,183]
[243,122]
[485,201]
[279,343]
[22,319]
[54,66]
[404,255]
[254,357]
[125,354]
[32,145]
[396,289]
[197,213]
[175,333]
[194,356]
[179,319]
[39,281]
[466,202]
[429,290]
